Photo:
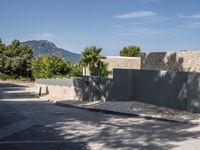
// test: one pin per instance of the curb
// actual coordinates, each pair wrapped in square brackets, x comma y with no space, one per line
[123,114]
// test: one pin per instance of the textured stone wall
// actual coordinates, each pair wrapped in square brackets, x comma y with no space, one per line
[172,61]
[59,92]
[117,62]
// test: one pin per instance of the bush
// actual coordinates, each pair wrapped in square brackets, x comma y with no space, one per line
[4,76]
[49,67]
[76,70]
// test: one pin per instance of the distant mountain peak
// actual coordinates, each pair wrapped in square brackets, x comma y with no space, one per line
[44,47]
[42,43]
[45,42]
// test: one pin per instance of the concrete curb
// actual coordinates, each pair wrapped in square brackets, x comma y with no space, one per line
[123,113]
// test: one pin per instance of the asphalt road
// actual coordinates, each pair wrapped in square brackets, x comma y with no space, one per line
[28,123]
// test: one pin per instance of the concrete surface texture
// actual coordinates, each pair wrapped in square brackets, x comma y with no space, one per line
[47,126]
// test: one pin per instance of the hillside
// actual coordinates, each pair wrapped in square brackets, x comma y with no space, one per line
[43,47]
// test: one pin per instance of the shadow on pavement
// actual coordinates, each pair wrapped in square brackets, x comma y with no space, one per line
[39,137]
[115,132]
[9,115]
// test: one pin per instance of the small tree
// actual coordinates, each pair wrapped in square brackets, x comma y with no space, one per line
[130,51]
[91,58]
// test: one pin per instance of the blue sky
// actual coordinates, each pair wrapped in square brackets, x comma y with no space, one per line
[154,25]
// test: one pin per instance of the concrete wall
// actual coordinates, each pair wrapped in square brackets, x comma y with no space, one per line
[178,90]
[171,61]
[122,85]
[97,88]
[193,92]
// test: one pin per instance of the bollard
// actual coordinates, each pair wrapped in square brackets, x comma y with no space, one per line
[47,90]
[40,91]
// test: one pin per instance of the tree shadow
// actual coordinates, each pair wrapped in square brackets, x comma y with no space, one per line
[114,132]
[40,137]
[127,133]
[9,115]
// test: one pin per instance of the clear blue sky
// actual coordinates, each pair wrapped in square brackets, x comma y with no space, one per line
[154,25]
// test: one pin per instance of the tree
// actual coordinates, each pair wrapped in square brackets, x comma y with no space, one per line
[130,51]
[15,59]
[102,69]
[49,67]
[91,58]
[75,70]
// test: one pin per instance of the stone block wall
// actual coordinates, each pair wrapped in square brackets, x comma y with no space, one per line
[60,89]
[58,92]
[188,61]
[115,62]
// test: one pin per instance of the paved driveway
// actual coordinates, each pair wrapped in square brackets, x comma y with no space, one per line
[30,123]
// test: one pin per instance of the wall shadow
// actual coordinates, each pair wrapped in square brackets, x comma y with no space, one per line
[115,132]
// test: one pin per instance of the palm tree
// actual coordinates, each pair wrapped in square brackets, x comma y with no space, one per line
[91,57]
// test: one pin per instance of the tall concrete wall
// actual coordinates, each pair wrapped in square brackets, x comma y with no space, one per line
[178,90]
[122,85]
[171,61]
[97,88]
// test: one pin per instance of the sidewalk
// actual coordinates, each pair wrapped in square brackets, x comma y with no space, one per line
[135,109]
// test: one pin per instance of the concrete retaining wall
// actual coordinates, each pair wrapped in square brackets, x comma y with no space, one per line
[178,90]
[97,88]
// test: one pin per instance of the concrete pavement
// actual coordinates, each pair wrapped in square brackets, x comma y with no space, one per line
[46,126]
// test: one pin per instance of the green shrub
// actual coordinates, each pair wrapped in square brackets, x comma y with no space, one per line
[3,76]
[49,67]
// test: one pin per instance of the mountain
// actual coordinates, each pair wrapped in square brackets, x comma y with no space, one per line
[44,47]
